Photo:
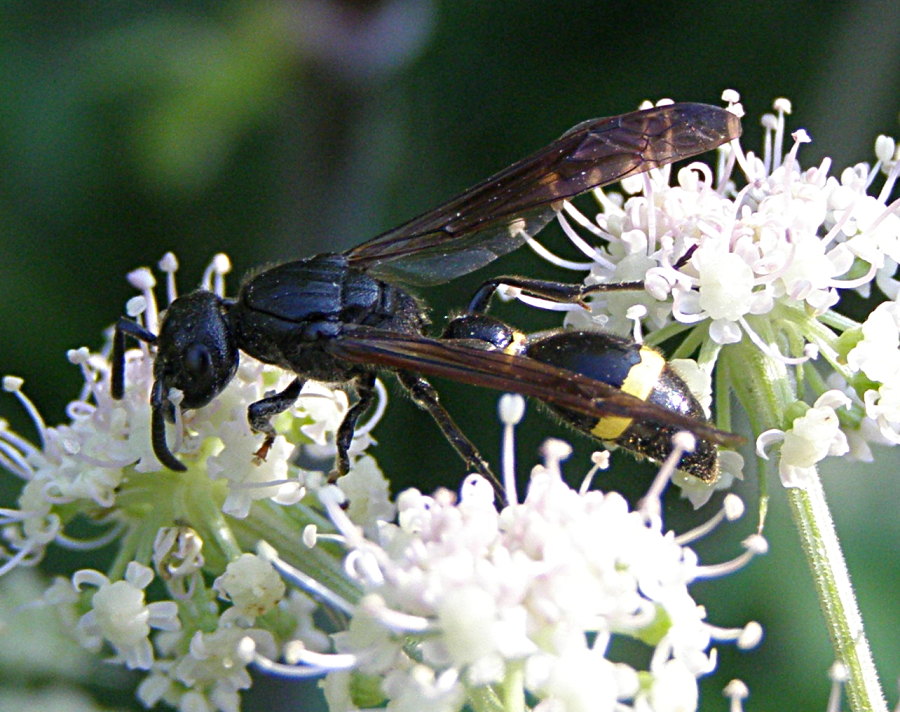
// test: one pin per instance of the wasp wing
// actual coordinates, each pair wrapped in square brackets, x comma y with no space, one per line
[495,216]
[458,361]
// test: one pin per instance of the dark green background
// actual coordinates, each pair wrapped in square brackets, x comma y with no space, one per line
[131,128]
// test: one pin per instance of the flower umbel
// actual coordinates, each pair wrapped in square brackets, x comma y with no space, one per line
[99,471]
[461,599]
[749,272]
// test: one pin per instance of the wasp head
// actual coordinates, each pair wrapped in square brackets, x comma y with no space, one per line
[197,354]
[196,351]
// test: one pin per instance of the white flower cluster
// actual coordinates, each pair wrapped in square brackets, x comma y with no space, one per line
[100,468]
[104,453]
[753,276]
[462,599]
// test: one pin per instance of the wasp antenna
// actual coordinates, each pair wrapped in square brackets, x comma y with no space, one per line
[117,378]
[125,327]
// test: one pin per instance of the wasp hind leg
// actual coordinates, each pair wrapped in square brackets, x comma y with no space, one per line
[425,396]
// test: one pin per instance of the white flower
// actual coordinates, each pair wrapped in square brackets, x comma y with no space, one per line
[251,584]
[811,438]
[122,617]
[877,354]
[216,665]
[420,688]
[368,495]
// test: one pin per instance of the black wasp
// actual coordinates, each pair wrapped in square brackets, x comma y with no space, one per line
[338,318]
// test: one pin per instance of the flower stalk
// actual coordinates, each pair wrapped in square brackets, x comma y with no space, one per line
[822,549]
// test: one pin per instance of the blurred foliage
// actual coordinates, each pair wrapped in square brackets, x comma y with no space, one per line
[272,130]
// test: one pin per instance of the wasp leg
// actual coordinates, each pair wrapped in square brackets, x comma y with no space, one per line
[260,414]
[559,292]
[125,327]
[365,394]
[425,396]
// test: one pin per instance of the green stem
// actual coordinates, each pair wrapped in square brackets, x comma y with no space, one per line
[836,597]
[510,697]
[763,385]
[485,699]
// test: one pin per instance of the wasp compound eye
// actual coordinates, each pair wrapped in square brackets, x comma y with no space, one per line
[197,361]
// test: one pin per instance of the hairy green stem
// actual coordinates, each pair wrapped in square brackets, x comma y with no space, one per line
[836,597]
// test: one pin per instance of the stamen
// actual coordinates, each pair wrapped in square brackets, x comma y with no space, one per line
[836,229]
[221,266]
[767,438]
[143,280]
[839,674]
[782,106]
[635,313]
[770,125]
[600,460]
[511,410]
[264,484]
[554,259]
[731,96]
[169,266]
[772,351]
[651,209]
[91,544]
[296,652]
[295,576]
[745,638]
[310,536]
[554,452]
[732,509]
[400,622]
[15,560]
[889,182]
[14,452]
[607,203]
[175,397]
[91,387]
[892,209]
[737,692]
[754,545]
[650,505]
[546,304]
[854,283]
[313,664]
[13,384]
[594,254]
[585,222]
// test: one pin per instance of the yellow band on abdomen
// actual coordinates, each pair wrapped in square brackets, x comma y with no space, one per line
[639,382]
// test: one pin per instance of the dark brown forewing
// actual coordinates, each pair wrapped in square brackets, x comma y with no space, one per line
[492,218]
[507,372]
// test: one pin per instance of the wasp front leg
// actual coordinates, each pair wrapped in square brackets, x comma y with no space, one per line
[260,414]
[365,395]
